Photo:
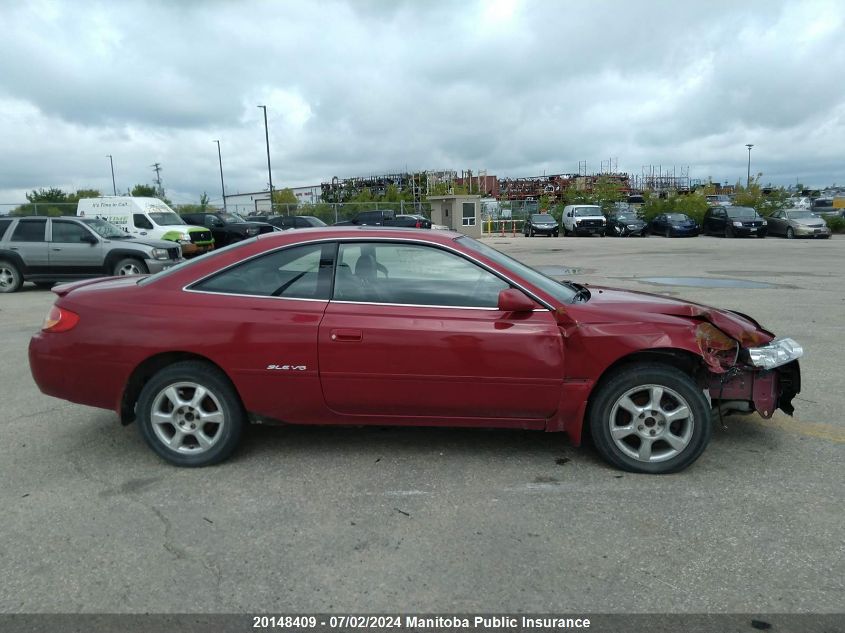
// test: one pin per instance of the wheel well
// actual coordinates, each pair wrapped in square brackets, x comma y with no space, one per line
[685,361]
[150,368]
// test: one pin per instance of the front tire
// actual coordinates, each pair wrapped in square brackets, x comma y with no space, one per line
[790,233]
[729,232]
[649,418]
[11,279]
[190,414]
[130,266]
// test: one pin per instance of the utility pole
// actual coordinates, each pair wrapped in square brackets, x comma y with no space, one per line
[269,170]
[222,186]
[748,180]
[157,169]
[111,162]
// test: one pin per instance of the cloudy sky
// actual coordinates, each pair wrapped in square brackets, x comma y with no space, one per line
[360,87]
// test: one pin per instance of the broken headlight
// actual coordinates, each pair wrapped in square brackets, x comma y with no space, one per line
[779,352]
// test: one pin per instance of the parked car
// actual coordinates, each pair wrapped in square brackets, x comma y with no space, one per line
[719,200]
[625,224]
[540,224]
[734,222]
[148,218]
[228,228]
[793,223]
[583,219]
[285,222]
[47,250]
[825,207]
[674,225]
[370,218]
[411,221]
[342,326]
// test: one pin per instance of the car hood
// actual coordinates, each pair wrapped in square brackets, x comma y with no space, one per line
[545,222]
[809,221]
[153,243]
[615,305]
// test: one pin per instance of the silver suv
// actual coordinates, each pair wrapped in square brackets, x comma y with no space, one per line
[47,250]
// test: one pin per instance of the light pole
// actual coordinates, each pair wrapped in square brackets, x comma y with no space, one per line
[222,186]
[269,171]
[111,162]
[748,177]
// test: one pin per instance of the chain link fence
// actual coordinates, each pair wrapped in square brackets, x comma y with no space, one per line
[332,212]
[327,212]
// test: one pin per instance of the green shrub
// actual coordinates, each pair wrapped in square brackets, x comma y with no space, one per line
[836,224]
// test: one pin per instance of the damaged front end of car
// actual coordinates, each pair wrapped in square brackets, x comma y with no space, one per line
[748,370]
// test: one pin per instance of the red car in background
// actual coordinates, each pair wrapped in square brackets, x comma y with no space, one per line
[390,326]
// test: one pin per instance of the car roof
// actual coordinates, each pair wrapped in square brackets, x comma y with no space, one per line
[357,232]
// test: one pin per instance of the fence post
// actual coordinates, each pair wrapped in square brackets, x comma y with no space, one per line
[401,207]
[334,204]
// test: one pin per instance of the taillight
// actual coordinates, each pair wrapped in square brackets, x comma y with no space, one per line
[60,320]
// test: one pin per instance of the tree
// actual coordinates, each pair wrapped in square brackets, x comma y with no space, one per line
[284,200]
[149,191]
[53,202]
[144,191]
[53,194]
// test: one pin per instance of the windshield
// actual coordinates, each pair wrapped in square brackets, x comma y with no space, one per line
[719,198]
[583,212]
[794,215]
[542,217]
[231,218]
[556,289]
[627,217]
[676,217]
[105,229]
[165,218]
[742,212]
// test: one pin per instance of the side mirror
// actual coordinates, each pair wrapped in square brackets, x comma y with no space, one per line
[88,239]
[513,300]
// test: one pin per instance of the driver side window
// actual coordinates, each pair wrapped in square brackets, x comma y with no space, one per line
[412,274]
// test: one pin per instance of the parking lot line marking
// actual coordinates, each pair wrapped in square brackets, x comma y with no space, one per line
[818,430]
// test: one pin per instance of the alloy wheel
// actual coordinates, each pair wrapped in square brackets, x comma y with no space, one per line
[651,423]
[187,418]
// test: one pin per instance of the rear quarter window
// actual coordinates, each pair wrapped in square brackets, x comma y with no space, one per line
[29,231]
[4,225]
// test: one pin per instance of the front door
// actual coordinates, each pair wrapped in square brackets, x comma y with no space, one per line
[413,331]
[70,253]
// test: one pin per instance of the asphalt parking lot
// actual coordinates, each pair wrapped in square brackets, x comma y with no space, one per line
[425,520]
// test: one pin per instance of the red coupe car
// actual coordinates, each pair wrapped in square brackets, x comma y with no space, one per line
[389,326]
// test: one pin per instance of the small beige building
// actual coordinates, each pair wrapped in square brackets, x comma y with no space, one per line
[460,213]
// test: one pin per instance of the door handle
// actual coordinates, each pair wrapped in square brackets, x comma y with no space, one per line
[13,248]
[56,249]
[349,336]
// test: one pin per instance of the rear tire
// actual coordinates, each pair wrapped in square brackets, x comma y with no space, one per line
[190,414]
[11,279]
[130,266]
[649,418]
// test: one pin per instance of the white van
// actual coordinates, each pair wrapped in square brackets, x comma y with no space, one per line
[148,217]
[583,219]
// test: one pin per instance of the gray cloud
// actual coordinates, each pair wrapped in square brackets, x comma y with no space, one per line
[353,88]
